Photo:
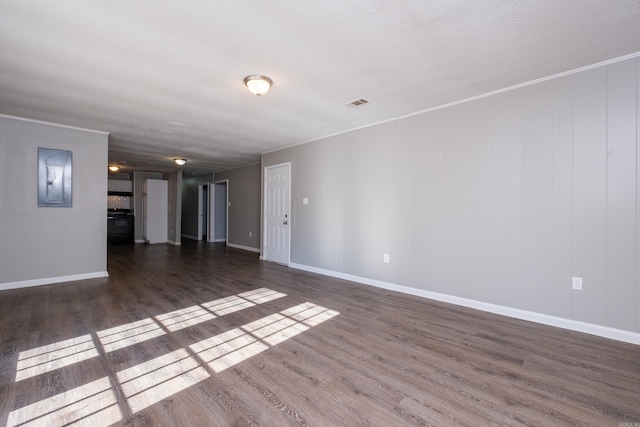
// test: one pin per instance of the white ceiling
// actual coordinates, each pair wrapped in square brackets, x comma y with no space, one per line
[165,78]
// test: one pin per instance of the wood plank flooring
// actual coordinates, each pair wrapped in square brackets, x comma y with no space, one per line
[204,335]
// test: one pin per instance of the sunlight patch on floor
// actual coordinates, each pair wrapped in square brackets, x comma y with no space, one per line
[237,345]
[204,312]
[150,382]
[185,318]
[91,404]
[261,295]
[227,349]
[310,314]
[228,305]
[54,356]
[276,329]
[132,333]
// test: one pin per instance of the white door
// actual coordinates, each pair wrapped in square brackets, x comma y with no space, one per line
[156,217]
[277,213]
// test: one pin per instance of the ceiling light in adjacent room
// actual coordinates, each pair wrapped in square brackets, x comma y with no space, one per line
[114,168]
[258,84]
[180,161]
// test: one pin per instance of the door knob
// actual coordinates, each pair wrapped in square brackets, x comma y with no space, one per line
[286,222]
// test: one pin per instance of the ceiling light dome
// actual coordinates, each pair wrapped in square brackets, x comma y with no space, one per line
[258,84]
[180,161]
[114,168]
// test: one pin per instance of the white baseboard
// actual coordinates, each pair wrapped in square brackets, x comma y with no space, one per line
[174,243]
[545,319]
[52,280]
[219,240]
[246,248]
[139,241]
[186,236]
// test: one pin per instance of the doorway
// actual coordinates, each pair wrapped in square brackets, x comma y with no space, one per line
[203,212]
[213,211]
[219,221]
[277,207]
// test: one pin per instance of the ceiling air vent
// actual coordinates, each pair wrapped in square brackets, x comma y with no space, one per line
[356,102]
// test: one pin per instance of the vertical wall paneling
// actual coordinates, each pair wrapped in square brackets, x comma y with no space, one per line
[637,287]
[562,208]
[305,221]
[456,204]
[621,194]
[499,140]
[471,178]
[484,154]
[403,202]
[328,207]
[529,261]
[324,210]
[535,201]
[501,200]
[367,190]
[430,208]
[512,122]
[545,199]
[589,193]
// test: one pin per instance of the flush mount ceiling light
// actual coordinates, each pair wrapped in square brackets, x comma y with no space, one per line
[258,84]
[180,161]
[114,168]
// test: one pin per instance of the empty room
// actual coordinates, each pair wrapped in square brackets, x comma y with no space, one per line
[365,213]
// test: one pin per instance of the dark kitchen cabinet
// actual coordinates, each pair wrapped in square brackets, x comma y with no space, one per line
[120,229]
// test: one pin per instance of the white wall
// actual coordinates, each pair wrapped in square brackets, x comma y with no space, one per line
[46,245]
[500,200]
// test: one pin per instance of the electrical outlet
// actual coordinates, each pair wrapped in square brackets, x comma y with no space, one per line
[386,258]
[576,283]
[250,234]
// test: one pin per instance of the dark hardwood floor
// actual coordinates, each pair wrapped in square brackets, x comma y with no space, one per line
[202,335]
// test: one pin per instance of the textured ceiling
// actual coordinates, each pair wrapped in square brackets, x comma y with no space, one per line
[165,78]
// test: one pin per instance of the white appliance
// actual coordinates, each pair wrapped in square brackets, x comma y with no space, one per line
[155,207]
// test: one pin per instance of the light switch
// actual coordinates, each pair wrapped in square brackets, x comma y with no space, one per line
[576,283]
[305,201]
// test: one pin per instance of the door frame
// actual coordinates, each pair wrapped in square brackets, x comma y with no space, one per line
[212,215]
[200,211]
[264,211]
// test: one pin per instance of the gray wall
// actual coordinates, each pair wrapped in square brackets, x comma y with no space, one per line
[244,211]
[190,203]
[499,200]
[43,243]
[175,205]
[220,228]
